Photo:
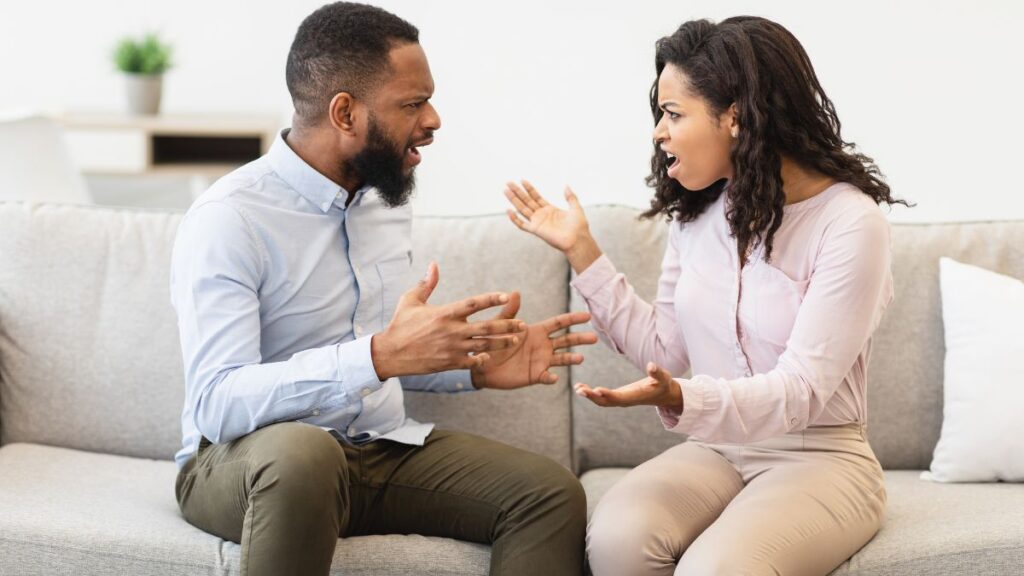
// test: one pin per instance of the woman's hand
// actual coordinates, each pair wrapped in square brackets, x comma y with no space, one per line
[658,389]
[566,230]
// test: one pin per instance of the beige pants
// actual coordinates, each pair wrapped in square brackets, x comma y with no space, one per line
[800,504]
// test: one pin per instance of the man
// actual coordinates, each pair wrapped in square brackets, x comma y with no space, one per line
[284,276]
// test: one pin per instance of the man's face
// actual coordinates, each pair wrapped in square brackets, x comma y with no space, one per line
[401,120]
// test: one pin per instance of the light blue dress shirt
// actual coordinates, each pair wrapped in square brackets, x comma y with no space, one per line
[278,289]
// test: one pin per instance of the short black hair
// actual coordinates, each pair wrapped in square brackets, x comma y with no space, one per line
[341,47]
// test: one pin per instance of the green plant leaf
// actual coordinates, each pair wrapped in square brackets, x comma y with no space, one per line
[146,56]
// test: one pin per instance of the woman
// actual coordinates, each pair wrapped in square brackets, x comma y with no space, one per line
[777,273]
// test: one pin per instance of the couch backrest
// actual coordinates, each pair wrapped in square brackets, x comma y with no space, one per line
[89,353]
[905,374]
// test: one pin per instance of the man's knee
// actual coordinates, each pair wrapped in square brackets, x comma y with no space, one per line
[300,463]
[553,486]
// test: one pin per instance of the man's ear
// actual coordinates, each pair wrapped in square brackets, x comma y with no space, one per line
[342,113]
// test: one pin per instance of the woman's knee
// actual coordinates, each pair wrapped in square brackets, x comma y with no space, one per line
[631,536]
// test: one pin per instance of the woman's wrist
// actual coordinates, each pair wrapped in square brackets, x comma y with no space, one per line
[583,253]
[674,400]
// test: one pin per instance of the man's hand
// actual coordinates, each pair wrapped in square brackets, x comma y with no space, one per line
[424,339]
[529,359]
[658,389]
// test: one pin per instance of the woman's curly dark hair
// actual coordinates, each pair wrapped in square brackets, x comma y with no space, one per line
[782,110]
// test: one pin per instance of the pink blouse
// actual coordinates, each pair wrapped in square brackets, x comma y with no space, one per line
[773,348]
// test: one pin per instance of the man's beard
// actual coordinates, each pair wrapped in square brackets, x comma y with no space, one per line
[380,165]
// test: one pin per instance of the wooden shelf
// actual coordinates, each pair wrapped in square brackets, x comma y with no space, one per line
[207,145]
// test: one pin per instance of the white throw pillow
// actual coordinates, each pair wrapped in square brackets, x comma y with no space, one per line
[983,418]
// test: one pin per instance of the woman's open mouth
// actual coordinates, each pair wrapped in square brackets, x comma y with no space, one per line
[673,167]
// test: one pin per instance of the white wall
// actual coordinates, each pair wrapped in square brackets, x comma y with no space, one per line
[557,91]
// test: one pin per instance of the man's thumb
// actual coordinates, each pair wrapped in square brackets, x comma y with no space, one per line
[426,285]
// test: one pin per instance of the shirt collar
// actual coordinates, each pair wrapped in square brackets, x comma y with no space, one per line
[318,189]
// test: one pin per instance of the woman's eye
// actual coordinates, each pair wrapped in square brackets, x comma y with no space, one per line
[672,115]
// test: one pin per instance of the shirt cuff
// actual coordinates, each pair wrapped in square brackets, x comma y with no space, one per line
[355,367]
[450,382]
[596,276]
[693,405]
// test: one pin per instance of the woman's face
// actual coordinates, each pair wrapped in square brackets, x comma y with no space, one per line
[699,142]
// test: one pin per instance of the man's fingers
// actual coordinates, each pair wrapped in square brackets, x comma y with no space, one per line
[547,378]
[566,359]
[511,308]
[425,287]
[573,339]
[477,345]
[474,361]
[469,306]
[563,321]
[519,198]
[494,328]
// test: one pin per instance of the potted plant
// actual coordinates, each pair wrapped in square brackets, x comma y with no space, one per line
[143,63]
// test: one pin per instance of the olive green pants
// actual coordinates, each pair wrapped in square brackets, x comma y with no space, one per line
[287,492]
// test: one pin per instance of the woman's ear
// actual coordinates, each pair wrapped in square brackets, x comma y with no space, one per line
[732,117]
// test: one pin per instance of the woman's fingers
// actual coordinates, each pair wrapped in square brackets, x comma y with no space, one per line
[518,198]
[658,373]
[637,393]
[574,202]
[515,219]
[538,201]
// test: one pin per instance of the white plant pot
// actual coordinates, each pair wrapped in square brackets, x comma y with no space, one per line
[143,92]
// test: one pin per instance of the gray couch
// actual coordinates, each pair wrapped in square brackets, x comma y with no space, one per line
[91,389]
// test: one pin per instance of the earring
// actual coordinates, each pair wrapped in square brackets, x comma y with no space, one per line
[735,133]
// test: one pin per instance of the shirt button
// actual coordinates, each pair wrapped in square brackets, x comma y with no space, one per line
[460,386]
[356,269]
[365,392]
[316,412]
[352,431]
[359,330]
[793,421]
[338,196]
[326,205]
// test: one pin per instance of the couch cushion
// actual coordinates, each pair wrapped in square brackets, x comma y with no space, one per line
[76,512]
[89,354]
[619,436]
[929,528]
[906,371]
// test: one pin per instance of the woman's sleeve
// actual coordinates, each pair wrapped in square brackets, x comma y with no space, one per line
[849,290]
[630,325]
